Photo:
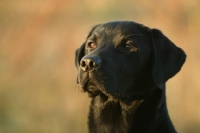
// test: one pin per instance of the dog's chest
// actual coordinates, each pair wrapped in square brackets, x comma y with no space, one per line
[110,116]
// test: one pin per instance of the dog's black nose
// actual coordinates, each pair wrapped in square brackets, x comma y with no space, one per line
[88,64]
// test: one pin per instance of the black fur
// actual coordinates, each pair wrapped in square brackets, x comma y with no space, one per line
[123,66]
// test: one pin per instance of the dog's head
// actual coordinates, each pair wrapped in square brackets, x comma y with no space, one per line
[126,60]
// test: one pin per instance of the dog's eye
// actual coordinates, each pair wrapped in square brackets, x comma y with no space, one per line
[128,47]
[91,45]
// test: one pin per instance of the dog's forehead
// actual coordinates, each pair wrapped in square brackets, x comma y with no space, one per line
[123,28]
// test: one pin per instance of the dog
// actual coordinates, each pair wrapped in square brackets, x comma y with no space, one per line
[123,66]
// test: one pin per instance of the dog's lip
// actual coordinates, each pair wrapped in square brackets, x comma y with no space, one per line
[84,84]
[94,91]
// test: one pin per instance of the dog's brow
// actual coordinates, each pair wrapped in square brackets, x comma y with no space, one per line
[92,37]
[134,35]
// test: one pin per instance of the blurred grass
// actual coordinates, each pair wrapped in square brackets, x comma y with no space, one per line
[38,91]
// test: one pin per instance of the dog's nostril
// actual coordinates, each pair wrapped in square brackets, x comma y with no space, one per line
[83,64]
[92,64]
[89,63]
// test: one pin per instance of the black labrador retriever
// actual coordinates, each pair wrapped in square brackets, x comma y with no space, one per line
[123,66]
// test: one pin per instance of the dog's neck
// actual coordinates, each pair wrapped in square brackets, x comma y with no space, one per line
[105,116]
[114,116]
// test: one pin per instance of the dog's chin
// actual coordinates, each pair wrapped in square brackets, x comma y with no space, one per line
[94,91]
[103,97]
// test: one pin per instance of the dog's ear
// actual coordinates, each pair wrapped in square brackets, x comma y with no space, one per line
[80,52]
[168,58]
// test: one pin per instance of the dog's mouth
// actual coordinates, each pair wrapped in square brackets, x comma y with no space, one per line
[93,90]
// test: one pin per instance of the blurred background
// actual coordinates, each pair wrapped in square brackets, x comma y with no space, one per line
[38,39]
